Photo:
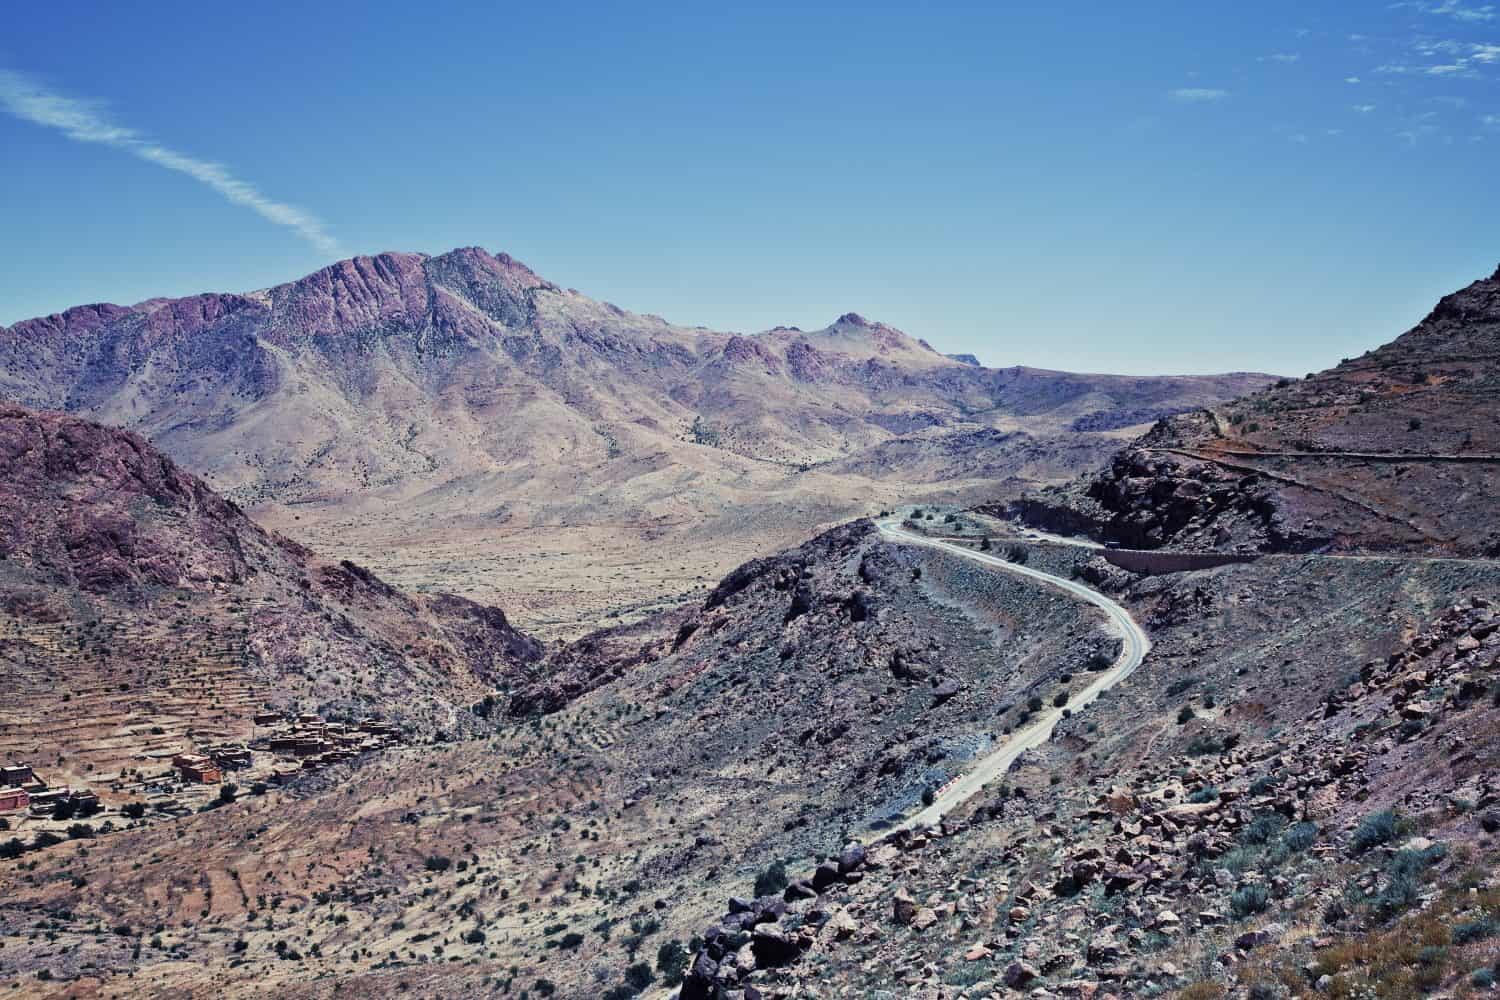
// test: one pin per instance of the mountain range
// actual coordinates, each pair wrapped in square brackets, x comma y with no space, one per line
[458,421]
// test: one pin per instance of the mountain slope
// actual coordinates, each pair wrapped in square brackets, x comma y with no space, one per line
[133,597]
[459,418]
[1397,450]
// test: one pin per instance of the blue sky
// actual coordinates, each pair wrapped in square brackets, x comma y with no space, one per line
[1096,186]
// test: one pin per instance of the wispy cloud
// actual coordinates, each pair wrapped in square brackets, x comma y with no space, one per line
[1455,9]
[1198,94]
[1364,109]
[1282,57]
[84,120]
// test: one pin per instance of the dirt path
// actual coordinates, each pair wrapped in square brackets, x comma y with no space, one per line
[998,761]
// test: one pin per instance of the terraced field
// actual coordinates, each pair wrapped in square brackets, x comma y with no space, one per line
[87,701]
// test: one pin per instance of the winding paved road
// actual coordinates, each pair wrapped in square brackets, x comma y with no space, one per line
[1039,730]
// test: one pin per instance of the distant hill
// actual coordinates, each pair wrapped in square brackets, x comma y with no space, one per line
[1396,450]
[457,418]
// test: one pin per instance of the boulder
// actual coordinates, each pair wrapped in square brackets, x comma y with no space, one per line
[826,875]
[800,889]
[840,925]
[1264,935]
[773,946]
[1104,950]
[853,857]
[768,908]
[698,984]
[1120,800]
[1019,974]
[945,691]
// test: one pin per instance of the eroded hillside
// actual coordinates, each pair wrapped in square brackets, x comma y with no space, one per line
[138,607]
[1397,450]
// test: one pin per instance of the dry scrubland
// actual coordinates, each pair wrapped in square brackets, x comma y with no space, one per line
[496,850]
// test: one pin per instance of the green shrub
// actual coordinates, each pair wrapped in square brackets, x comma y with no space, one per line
[1204,744]
[672,962]
[1482,979]
[773,880]
[1249,899]
[1473,930]
[1264,784]
[1262,828]
[1300,837]
[437,863]
[640,976]
[1208,793]
[1374,830]
[1402,889]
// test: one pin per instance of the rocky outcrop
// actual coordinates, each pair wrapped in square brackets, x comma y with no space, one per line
[1385,452]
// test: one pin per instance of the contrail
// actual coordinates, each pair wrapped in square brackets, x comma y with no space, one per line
[84,121]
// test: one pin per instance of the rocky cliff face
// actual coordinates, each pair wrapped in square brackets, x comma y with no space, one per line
[1391,451]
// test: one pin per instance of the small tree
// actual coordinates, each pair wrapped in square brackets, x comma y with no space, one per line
[773,880]
[640,976]
[672,962]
